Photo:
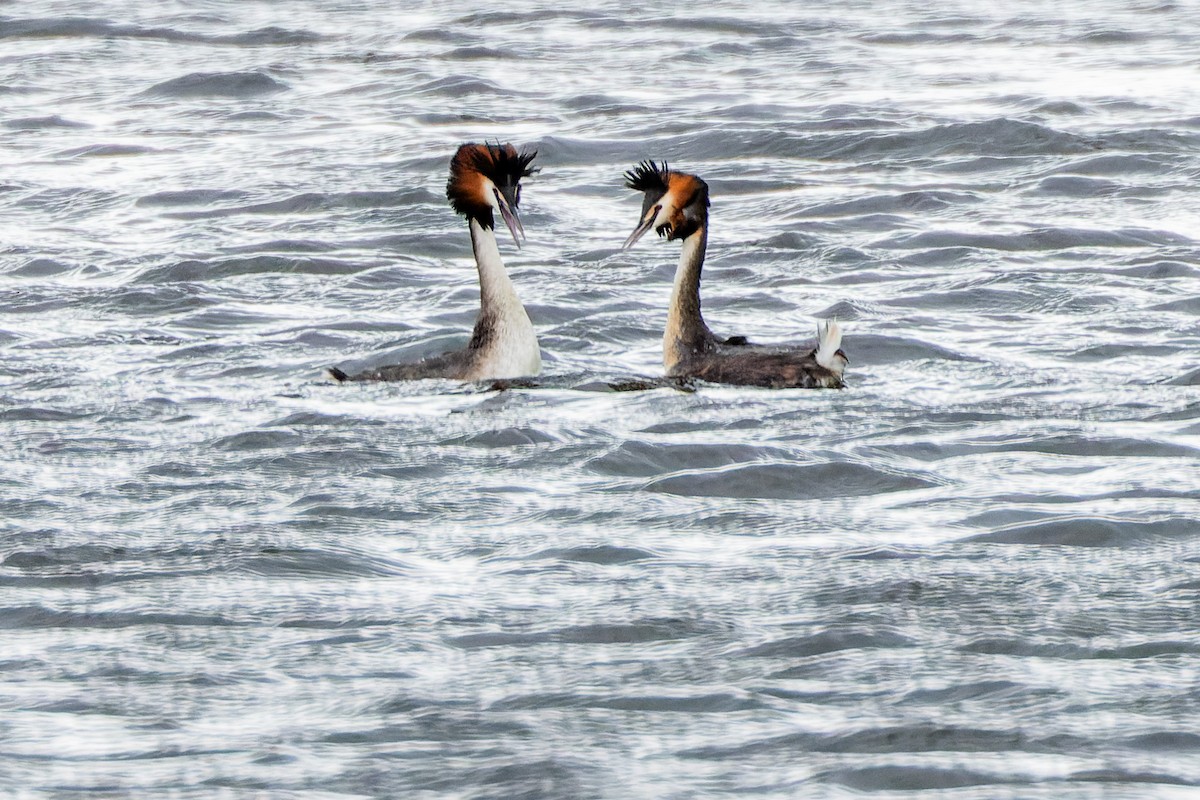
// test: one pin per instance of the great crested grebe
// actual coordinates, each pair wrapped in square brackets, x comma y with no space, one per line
[676,206]
[484,178]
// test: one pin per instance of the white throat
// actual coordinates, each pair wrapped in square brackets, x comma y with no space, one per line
[686,332]
[510,348]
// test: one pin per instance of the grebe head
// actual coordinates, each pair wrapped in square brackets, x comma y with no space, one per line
[675,204]
[486,178]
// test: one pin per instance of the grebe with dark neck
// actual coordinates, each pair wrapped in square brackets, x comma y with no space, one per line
[484,178]
[675,205]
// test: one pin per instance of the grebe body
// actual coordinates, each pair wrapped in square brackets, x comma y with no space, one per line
[484,179]
[675,205]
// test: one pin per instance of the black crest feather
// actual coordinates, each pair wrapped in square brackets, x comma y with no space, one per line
[507,165]
[648,177]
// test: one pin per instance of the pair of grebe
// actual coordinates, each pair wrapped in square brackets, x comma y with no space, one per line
[486,178]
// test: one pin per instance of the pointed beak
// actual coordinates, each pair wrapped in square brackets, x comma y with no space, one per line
[509,213]
[640,231]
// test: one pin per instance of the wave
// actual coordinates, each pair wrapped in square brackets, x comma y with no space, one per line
[995,137]
[646,459]
[305,203]
[1064,444]
[704,703]
[1092,532]
[599,633]
[218,84]
[195,270]
[870,349]
[36,616]
[106,151]
[1038,239]
[790,481]
[90,27]
[912,778]
[597,554]
[1008,646]
[53,121]
[828,641]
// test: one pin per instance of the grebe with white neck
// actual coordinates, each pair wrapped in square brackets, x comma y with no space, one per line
[484,179]
[675,205]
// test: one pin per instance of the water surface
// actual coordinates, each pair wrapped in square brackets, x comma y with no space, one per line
[974,573]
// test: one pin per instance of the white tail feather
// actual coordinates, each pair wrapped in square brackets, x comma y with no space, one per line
[829,339]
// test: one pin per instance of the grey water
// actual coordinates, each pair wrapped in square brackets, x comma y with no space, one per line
[974,573]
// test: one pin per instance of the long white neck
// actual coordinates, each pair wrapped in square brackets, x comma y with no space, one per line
[504,336]
[686,333]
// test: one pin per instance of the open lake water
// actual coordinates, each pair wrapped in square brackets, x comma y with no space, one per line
[975,573]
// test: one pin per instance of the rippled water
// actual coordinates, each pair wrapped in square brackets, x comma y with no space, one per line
[976,570]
